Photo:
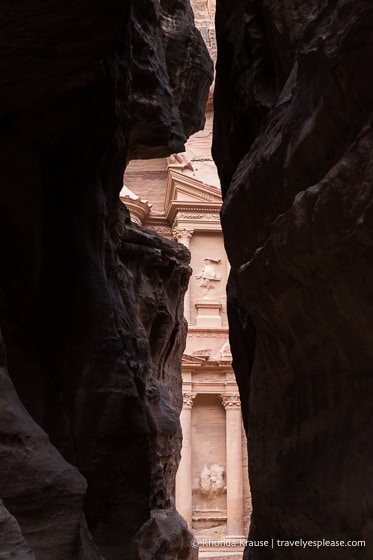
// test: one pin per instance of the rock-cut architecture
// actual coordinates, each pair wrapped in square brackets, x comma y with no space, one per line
[179,197]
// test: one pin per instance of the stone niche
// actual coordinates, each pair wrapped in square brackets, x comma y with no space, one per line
[207,284]
[209,500]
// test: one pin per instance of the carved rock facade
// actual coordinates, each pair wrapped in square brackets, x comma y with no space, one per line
[91,306]
[293,144]
[212,491]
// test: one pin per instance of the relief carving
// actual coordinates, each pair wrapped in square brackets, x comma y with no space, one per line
[211,482]
[209,276]
[200,217]
[180,161]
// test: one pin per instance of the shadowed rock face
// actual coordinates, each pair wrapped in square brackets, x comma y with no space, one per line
[91,310]
[172,71]
[293,144]
[12,542]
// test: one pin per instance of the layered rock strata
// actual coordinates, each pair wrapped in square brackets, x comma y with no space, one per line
[91,309]
[293,144]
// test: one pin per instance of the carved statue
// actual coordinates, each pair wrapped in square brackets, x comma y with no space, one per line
[211,482]
[180,161]
[209,274]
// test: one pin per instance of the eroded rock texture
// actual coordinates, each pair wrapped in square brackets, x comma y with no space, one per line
[170,59]
[293,143]
[91,310]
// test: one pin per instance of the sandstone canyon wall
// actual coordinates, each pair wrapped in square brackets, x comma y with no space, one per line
[91,312]
[293,144]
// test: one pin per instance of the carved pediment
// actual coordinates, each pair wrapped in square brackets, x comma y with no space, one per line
[192,360]
[189,193]
[203,353]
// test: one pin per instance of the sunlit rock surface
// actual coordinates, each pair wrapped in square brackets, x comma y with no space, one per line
[293,144]
[91,307]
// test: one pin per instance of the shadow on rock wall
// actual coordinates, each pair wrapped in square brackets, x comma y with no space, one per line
[91,307]
[293,144]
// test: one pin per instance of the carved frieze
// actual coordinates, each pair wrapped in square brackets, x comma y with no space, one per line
[206,217]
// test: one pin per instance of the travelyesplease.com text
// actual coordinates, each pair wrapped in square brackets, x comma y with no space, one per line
[279,543]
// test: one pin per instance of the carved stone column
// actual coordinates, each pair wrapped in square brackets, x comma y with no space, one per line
[183,235]
[233,421]
[183,488]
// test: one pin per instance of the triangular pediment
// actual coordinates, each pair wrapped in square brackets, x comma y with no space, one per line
[185,189]
[192,360]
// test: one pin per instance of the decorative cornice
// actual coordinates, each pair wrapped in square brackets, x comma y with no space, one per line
[188,399]
[178,208]
[155,219]
[231,401]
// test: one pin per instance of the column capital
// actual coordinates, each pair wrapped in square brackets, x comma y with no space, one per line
[188,399]
[231,401]
[182,233]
